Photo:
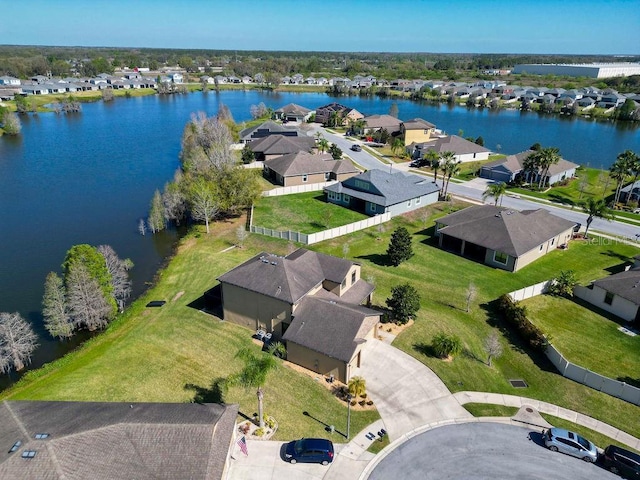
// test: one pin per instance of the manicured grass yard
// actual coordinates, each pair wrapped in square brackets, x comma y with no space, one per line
[303,212]
[175,353]
[151,354]
[588,338]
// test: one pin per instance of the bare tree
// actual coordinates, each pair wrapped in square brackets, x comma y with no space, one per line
[86,301]
[119,270]
[17,342]
[156,219]
[224,113]
[204,204]
[492,346]
[57,320]
[142,227]
[345,250]
[472,293]
[206,144]
[241,235]
[107,94]
[11,123]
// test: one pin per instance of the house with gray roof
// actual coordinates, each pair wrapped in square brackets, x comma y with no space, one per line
[305,168]
[501,237]
[377,191]
[618,294]
[293,113]
[273,146]
[345,114]
[374,123]
[99,440]
[464,150]
[318,296]
[511,168]
[265,129]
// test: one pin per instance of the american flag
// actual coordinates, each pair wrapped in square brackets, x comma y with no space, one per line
[242,443]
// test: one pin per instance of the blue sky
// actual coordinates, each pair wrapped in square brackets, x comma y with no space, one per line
[458,26]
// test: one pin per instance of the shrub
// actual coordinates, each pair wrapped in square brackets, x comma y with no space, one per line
[516,315]
[369,402]
[400,248]
[404,302]
[446,345]
[245,427]
[362,403]
[563,284]
[259,432]
[269,421]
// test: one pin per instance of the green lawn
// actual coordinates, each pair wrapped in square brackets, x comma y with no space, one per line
[151,354]
[175,353]
[303,212]
[490,410]
[585,337]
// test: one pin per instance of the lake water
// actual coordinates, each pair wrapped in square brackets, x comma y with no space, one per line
[89,177]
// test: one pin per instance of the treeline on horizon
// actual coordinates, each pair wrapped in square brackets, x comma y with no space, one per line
[27,61]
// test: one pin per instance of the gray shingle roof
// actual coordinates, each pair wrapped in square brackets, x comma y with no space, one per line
[515,163]
[453,143]
[502,229]
[385,188]
[105,441]
[294,109]
[266,128]
[287,278]
[417,124]
[331,328]
[280,145]
[303,163]
[624,284]
[387,122]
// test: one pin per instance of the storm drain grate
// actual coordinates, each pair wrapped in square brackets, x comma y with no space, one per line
[518,383]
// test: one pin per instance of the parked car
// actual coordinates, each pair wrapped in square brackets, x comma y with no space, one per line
[560,440]
[356,148]
[309,450]
[417,163]
[621,461]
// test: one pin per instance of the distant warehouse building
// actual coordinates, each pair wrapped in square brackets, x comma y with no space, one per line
[591,70]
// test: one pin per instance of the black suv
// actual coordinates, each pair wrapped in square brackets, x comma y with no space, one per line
[310,450]
[621,461]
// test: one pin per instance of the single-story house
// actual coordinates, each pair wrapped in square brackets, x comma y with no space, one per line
[323,114]
[464,150]
[274,146]
[374,123]
[618,294]
[417,130]
[10,81]
[319,297]
[631,191]
[293,113]
[377,191]
[302,168]
[501,237]
[265,129]
[509,168]
[145,441]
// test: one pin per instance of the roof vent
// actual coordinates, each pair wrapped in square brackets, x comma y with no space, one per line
[274,263]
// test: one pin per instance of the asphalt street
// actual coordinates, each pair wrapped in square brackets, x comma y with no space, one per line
[482,451]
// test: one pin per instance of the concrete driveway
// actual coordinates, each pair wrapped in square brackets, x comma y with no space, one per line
[406,392]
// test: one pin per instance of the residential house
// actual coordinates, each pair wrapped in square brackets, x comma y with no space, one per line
[176,77]
[266,129]
[618,293]
[293,113]
[377,191]
[375,123]
[501,237]
[318,297]
[610,99]
[630,192]
[108,440]
[511,168]
[324,113]
[586,102]
[464,150]
[9,81]
[276,145]
[303,168]
[416,130]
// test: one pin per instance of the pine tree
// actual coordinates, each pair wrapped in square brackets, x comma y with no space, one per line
[400,248]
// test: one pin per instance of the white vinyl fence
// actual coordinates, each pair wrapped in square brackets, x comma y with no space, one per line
[308,187]
[575,372]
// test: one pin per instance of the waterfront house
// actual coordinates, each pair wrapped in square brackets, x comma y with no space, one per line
[293,113]
[416,130]
[305,168]
[510,168]
[464,150]
[274,146]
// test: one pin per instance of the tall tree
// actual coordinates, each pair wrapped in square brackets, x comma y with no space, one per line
[530,167]
[203,201]
[335,151]
[156,219]
[449,169]
[495,190]
[619,171]
[10,123]
[394,111]
[323,144]
[119,270]
[17,342]
[492,347]
[254,374]
[206,144]
[632,161]
[433,158]
[595,209]
[545,157]
[404,302]
[57,320]
[174,201]
[87,305]
[397,145]
[400,248]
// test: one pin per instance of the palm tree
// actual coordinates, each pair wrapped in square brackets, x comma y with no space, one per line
[397,145]
[595,209]
[254,374]
[495,190]
[450,168]
[544,158]
[619,171]
[323,145]
[433,158]
[632,160]
[357,386]
[531,167]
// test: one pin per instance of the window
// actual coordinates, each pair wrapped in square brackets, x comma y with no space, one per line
[553,240]
[362,185]
[353,278]
[608,298]
[500,257]
[372,207]
[418,200]
[330,195]
[305,178]
[541,247]
[327,175]
[344,283]
[346,198]
[409,203]
[28,454]
[41,436]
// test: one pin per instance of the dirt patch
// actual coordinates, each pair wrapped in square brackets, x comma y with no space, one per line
[177,296]
[394,328]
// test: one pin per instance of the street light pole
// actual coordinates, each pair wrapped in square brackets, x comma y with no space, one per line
[348,414]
